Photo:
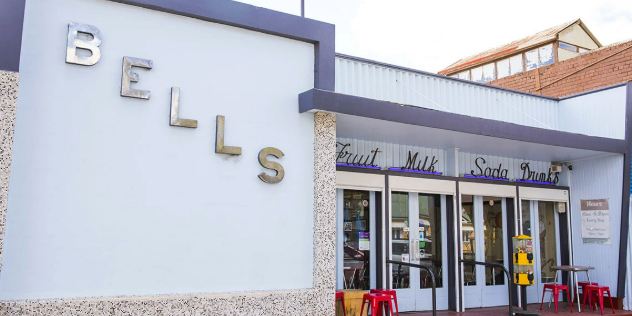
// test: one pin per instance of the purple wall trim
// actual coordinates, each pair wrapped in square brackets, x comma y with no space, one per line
[625,195]
[242,15]
[356,166]
[351,105]
[484,177]
[11,23]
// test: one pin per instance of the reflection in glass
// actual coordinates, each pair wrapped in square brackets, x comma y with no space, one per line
[477,74]
[400,239]
[464,75]
[546,55]
[531,59]
[356,240]
[489,73]
[548,244]
[430,239]
[515,64]
[493,230]
[468,243]
[526,218]
[503,68]
[570,47]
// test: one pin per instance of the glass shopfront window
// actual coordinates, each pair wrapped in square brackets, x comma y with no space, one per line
[400,239]
[468,240]
[548,244]
[430,239]
[356,240]
[493,230]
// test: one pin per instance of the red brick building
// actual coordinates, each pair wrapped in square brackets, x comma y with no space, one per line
[563,60]
[598,68]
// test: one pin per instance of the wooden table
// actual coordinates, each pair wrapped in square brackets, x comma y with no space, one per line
[353,303]
[573,279]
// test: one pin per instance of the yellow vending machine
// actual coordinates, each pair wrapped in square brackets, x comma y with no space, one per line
[523,260]
[523,276]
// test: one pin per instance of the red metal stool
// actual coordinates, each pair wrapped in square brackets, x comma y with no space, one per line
[582,287]
[393,295]
[556,288]
[375,300]
[341,296]
[599,290]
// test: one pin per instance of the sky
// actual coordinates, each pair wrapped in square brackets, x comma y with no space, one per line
[431,35]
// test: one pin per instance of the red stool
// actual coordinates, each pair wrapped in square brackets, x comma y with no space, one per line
[556,288]
[375,300]
[598,290]
[341,296]
[393,295]
[582,286]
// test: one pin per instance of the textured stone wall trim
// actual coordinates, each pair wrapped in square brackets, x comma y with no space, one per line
[324,212]
[8,101]
[300,302]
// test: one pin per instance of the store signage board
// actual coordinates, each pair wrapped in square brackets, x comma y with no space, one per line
[595,216]
[429,165]
[413,162]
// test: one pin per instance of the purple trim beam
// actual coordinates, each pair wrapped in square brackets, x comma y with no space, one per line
[531,181]
[625,196]
[319,100]
[484,177]
[11,24]
[415,171]
[356,166]
[250,17]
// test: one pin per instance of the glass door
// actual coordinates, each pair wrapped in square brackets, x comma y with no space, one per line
[355,242]
[417,236]
[484,239]
[540,221]
[432,251]
[403,215]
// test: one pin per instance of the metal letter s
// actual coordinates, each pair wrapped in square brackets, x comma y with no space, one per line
[263,160]
[129,77]
[91,45]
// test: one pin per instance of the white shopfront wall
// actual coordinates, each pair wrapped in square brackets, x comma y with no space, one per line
[107,199]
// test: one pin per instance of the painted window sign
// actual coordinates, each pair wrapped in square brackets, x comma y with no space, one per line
[128,77]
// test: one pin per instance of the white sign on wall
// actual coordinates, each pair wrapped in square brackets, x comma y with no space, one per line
[595,221]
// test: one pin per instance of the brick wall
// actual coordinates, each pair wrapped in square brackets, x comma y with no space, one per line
[586,72]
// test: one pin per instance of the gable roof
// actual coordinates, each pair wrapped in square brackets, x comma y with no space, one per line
[514,47]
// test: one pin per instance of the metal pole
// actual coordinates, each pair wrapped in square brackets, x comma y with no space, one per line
[495,265]
[523,296]
[432,276]
[303,8]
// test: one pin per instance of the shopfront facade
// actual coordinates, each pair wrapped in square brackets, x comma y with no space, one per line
[463,183]
[220,158]
[421,225]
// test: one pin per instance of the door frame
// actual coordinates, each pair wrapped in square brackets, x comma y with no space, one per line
[445,189]
[372,183]
[475,189]
[534,195]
